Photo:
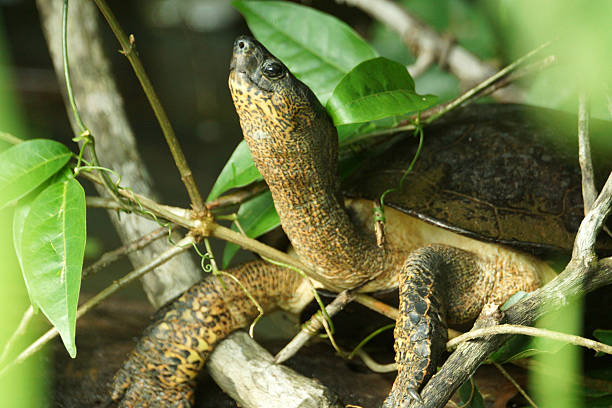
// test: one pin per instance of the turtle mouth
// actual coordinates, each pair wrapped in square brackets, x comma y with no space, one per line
[243,75]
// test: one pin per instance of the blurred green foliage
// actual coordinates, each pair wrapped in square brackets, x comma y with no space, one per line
[26,386]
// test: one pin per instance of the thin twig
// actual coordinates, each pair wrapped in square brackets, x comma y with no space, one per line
[485,84]
[430,115]
[516,384]
[181,246]
[589,192]
[84,135]
[103,202]
[312,326]
[378,306]
[375,366]
[239,196]
[128,47]
[21,328]
[529,69]
[529,331]
[423,39]
[584,244]
[111,256]
[7,137]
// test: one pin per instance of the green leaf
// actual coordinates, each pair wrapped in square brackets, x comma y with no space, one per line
[256,217]
[52,247]
[604,336]
[470,396]
[19,217]
[237,172]
[25,166]
[375,89]
[317,48]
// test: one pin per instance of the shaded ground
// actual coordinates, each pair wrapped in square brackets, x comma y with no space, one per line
[108,333]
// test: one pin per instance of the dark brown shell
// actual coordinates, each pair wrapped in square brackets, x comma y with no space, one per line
[492,172]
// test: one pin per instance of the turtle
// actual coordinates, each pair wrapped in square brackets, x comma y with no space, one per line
[489,193]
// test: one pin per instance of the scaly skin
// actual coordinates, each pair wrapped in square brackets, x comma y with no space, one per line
[438,284]
[294,145]
[161,370]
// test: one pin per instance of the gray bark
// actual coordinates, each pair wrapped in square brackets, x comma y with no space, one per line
[247,372]
[244,368]
[101,108]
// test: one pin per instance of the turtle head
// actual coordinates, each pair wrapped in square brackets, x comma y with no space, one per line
[282,120]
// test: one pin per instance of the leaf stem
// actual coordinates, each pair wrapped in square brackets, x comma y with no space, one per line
[128,49]
[485,84]
[516,384]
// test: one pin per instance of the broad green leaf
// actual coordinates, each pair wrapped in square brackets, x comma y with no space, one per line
[237,172]
[470,395]
[375,89]
[19,216]
[52,247]
[317,48]
[256,217]
[25,166]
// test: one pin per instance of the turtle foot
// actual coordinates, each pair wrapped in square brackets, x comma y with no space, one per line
[400,398]
[135,386]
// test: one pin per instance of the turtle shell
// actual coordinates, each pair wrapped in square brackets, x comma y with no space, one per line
[501,173]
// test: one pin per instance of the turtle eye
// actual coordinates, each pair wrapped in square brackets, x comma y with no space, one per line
[273,70]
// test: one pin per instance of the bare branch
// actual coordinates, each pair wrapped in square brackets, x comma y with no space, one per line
[592,223]
[21,328]
[103,202]
[111,256]
[128,49]
[582,275]
[180,247]
[589,192]
[239,196]
[373,365]
[312,326]
[530,331]
[101,107]
[516,385]
[248,374]
[422,63]
[422,39]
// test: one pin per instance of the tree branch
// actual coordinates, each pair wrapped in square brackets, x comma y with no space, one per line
[180,247]
[582,275]
[111,256]
[248,374]
[423,39]
[529,331]
[128,46]
[101,107]
[589,192]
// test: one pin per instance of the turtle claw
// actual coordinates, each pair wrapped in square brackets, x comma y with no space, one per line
[414,395]
[408,395]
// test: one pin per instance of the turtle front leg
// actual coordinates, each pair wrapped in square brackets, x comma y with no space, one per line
[429,279]
[161,370]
